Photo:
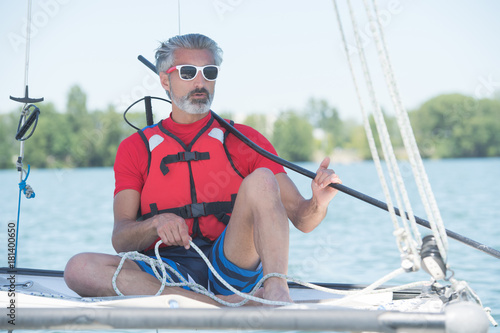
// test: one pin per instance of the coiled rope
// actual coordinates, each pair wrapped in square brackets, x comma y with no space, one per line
[167,281]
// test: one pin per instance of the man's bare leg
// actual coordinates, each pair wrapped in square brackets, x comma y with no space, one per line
[90,275]
[258,232]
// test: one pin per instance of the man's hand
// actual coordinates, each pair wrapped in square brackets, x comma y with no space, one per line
[323,193]
[172,229]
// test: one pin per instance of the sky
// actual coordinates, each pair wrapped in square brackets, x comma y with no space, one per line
[277,54]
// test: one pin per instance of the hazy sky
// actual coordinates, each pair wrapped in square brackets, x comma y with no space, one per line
[277,54]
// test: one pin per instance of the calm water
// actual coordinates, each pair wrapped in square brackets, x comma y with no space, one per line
[72,213]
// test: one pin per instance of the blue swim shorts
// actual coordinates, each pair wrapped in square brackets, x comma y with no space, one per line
[191,266]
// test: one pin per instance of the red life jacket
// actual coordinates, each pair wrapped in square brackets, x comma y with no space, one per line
[197,181]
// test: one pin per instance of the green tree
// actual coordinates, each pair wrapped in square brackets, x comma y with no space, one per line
[48,147]
[293,137]
[326,117]
[260,123]
[8,147]
[83,126]
[457,126]
[483,130]
[357,140]
[110,131]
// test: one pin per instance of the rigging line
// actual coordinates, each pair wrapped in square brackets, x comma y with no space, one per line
[408,136]
[413,224]
[24,116]
[25,111]
[368,130]
[28,38]
[26,71]
[389,155]
[342,188]
[404,127]
[179,14]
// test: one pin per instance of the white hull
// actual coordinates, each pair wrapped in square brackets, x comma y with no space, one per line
[43,301]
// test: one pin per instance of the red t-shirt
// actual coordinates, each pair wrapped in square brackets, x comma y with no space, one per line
[131,163]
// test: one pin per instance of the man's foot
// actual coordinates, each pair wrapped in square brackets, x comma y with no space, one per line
[276,289]
[236,298]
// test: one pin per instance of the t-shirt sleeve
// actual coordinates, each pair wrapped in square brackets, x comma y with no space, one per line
[245,159]
[131,164]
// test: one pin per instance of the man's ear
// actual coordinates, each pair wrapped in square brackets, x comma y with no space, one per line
[165,82]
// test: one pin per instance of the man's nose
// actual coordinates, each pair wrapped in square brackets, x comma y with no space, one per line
[199,80]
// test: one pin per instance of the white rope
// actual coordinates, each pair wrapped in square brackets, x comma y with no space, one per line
[406,243]
[368,130]
[370,289]
[158,262]
[420,175]
[389,155]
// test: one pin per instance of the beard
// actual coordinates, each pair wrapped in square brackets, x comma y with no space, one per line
[194,106]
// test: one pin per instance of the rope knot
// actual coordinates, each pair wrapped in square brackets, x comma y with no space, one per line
[26,188]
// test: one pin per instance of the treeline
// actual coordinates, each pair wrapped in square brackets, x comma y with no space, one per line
[445,126]
[74,138]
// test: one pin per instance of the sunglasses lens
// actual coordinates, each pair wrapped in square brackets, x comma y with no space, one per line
[187,72]
[210,72]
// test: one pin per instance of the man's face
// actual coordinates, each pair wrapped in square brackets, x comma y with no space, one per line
[194,96]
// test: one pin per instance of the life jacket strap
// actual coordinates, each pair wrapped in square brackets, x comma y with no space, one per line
[183,156]
[219,209]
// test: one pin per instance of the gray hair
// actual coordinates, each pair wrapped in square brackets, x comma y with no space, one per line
[165,53]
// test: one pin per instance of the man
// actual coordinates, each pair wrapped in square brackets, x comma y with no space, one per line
[189,178]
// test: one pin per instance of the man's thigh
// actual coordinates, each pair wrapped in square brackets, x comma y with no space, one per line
[257,198]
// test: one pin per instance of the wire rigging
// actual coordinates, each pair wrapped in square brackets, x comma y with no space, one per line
[28,118]
[28,37]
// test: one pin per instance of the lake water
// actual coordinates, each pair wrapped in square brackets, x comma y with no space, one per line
[72,213]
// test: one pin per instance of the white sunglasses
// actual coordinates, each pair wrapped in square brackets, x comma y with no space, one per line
[189,72]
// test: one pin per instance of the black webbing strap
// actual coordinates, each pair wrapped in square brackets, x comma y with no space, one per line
[146,143]
[223,217]
[183,156]
[219,208]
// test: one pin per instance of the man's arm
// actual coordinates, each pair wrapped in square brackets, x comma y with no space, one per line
[131,235]
[306,215]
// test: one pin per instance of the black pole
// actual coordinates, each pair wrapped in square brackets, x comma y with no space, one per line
[149,111]
[377,203]
[147,63]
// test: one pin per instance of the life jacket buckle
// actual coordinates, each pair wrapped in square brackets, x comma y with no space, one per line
[195,210]
[187,156]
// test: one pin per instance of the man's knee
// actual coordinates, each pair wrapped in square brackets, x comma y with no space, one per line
[74,269]
[263,180]
[80,267]
[71,271]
